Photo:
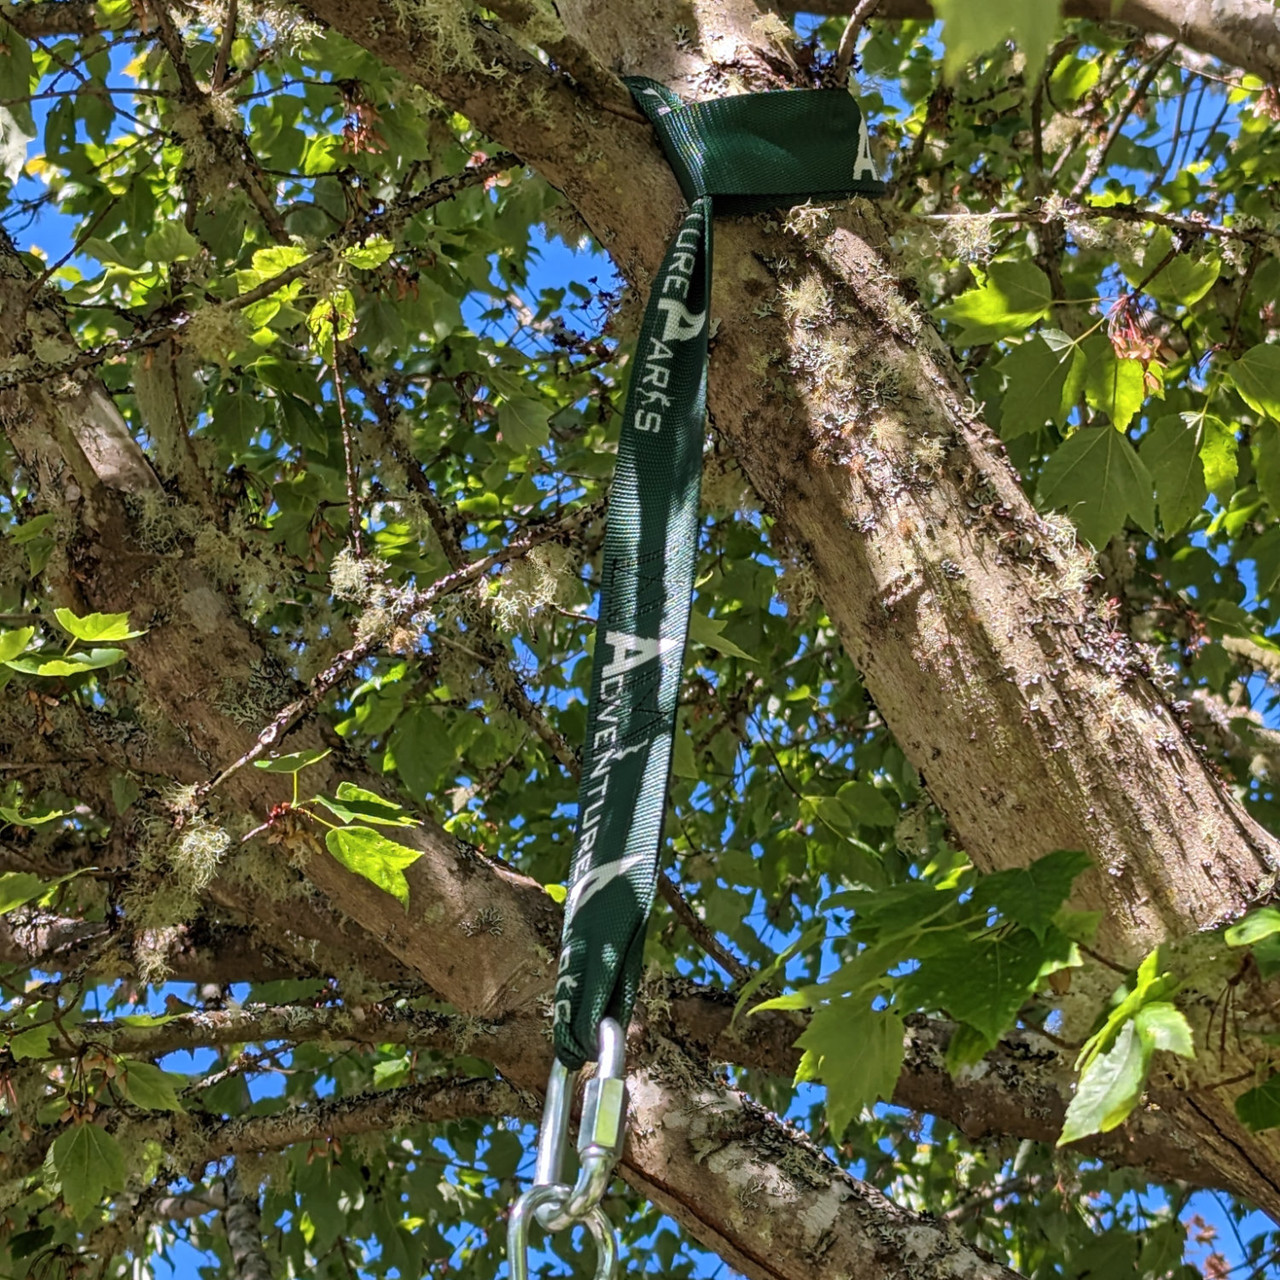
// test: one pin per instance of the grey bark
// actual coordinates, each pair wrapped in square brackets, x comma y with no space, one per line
[242,1221]
[1034,724]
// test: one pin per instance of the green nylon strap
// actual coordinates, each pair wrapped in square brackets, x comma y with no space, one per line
[752,152]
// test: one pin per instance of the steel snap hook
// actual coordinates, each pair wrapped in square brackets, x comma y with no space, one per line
[538,1199]
[553,1202]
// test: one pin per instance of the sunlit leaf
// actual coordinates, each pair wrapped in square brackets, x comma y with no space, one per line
[373,856]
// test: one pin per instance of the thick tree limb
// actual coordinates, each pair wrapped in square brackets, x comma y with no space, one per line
[1240,33]
[88,461]
[54,18]
[199,953]
[1021,1090]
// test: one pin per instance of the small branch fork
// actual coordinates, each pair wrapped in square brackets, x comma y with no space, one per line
[849,41]
[1098,157]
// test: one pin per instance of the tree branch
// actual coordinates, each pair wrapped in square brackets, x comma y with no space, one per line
[242,1221]
[1243,33]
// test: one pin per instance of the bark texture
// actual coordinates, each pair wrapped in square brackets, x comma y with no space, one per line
[1239,33]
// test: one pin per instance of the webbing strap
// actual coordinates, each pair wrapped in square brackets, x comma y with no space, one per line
[752,152]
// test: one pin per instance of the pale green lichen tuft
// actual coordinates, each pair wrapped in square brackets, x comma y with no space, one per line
[531,584]
[215,333]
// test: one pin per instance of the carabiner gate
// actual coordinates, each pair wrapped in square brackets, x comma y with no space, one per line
[554,1203]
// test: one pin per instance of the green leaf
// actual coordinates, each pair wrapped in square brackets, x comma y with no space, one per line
[524,423]
[32,1044]
[391,1072]
[295,762]
[764,975]
[966,1047]
[1256,376]
[1072,78]
[16,131]
[1015,296]
[124,791]
[72,664]
[1217,455]
[683,764]
[1149,985]
[828,810]
[973,29]
[802,999]
[857,1053]
[334,316]
[20,887]
[88,1162]
[425,758]
[20,819]
[1109,1088]
[94,627]
[1172,455]
[1259,1108]
[1099,478]
[373,856]
[147,1086]
[867,805]
[171,241]
[1254,927]
[1183,282]
[1162,1025]
[270,262]
[1113,386]
[355,804]
[983,981]
[709,632]
[1031,896]
[22,1244]
[370,255]
[13,643]
[1044,381]
[1265,447]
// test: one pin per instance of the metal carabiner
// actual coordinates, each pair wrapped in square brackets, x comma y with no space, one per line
[553,1202]
[529,1205]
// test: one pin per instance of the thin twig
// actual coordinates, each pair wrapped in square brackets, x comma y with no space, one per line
[348,450]
[698,930]
[1136,94]
[346,662]
[1197,226]
[1155,271]
[849,41]
[224,48]
[1255,260]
